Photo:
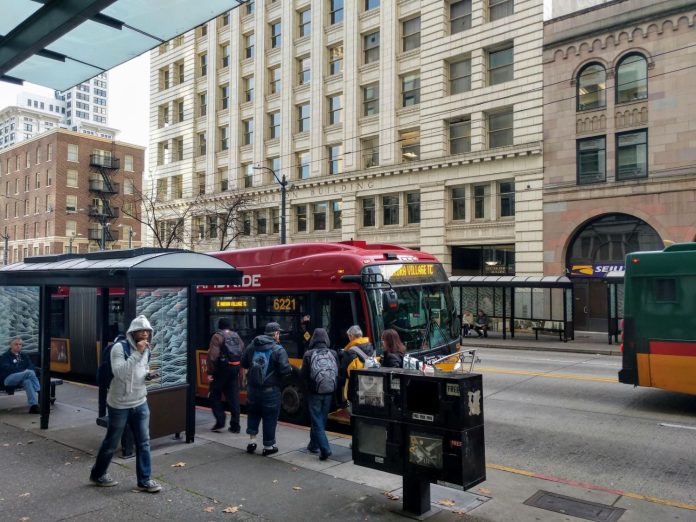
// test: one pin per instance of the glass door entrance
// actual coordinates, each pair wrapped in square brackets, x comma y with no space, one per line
[590,307]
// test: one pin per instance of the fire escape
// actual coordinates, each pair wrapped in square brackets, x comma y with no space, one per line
[102,188]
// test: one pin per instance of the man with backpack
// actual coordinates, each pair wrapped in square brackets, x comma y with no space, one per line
[224,362]
[266,362]
[320,373]
[127,403]
[358,353]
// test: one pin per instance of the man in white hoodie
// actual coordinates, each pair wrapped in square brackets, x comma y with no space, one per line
[127,404]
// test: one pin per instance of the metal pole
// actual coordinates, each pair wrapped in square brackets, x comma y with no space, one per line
[283,185]
[130,238]
[6,237]
[102,242]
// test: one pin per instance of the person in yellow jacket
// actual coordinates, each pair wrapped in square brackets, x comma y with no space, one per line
[353,356]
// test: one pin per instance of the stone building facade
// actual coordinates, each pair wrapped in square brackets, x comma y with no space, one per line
[52,194]
[619,140]
[412,121]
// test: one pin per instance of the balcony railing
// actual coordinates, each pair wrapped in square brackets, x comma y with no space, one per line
[100,186]
[109,212]
[95,234]
[107,162]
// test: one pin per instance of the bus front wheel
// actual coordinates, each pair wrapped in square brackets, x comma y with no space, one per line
[293,403]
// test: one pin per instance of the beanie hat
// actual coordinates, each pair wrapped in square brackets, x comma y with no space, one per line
[139,323]
[271,328]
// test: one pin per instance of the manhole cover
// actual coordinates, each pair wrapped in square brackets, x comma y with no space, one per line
[574,507]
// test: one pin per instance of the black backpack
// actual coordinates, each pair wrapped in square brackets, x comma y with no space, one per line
[231,349]
[323,371]
[104,372]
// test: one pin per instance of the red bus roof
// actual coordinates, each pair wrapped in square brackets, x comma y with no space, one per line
[313,265]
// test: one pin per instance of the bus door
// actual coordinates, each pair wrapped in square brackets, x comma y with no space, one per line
[336,312]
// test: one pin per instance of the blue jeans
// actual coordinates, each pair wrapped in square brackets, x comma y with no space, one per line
[29,381]
[138,419]
[263,404]
[319,408]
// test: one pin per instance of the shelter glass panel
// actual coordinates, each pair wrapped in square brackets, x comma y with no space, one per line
[19,317]
[523,303]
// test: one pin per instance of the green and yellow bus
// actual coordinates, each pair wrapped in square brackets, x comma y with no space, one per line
[659,337]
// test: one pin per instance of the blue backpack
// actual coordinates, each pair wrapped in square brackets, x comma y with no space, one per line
[258,372]
[104,372]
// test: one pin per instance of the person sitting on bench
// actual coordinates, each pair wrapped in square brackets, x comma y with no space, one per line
[17,370]
[481,324]
[467,322]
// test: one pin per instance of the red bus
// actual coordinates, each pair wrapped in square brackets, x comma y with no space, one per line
[336,285]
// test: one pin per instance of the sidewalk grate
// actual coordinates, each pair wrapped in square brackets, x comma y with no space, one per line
[574,507]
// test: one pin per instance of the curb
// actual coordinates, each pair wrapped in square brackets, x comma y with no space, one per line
[587,351]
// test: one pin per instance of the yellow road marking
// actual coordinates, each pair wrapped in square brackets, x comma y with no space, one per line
[548,375]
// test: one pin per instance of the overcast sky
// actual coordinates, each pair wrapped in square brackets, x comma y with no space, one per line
[129,98]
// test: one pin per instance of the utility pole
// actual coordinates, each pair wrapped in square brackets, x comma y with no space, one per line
[283,190]
[6,239]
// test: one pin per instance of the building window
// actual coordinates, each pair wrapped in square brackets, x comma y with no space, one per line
[179,106]
[370,151]
[305,22]
[336,215]
[49,152]
[303,166]
[371,47]
[335,60]
[246,224]
[223,132]
[248,86]
[371,4]
[410,89]
[500,128]
[370,99]
[72,153]
[303,117]
[500,65]
[249,44]
[591,90]
[248,175]
[460,76]
[390,210]
[413,207]
[410,145]
[460,15]
[335,11]
[411,34]
[481,202]
[179,149]
[368,211]
[498,9]
[458,204]
[335,159]
[37,181]
[128,163]
[248,132]
[591,160]
[201,144]
[203,104]
[507,199]
[274,125]
[631,79]
[224,96]
[275,35]
[225,54]
[305,70]
[180,77]
[128,186]
[275,78]
[261,227]
[460,135]
[632,155]
[301,218]
[71,178]
[250,7]
[71,203]
[319,216]
[163,115]
[335,109]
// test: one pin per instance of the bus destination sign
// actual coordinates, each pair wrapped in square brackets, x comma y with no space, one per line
[230,303]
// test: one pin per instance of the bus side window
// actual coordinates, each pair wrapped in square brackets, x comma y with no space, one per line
[665,290]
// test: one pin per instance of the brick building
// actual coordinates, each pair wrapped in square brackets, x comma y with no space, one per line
[619,141]
[62,189]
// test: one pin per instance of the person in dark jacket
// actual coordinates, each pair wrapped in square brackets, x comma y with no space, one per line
[16,369]
[266,362]
[394,349]
[351,359]
[481,324]
[224,376]
[320,373]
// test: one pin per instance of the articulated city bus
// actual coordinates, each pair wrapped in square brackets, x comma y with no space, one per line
[659,338]
[333,286]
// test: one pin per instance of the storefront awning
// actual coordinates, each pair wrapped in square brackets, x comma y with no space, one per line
[61,43]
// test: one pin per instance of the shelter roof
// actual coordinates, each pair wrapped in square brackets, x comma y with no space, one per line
[512,281]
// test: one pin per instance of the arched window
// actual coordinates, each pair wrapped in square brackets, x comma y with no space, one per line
[632,78]
[592,83]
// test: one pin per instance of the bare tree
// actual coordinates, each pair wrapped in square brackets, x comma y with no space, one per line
[224,213]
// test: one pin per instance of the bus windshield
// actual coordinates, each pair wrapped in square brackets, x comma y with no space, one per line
[423,317]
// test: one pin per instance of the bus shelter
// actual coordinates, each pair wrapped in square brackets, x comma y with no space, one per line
[518,302]
[159,283]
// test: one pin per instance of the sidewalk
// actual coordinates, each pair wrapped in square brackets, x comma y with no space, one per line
[584,342]
[44,476]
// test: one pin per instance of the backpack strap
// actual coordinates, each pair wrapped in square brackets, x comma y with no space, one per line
[363,356]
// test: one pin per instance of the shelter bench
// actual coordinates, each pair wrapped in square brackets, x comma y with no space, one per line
[550,330]
[10,390]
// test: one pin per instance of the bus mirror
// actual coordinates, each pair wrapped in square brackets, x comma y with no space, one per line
[390,300]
